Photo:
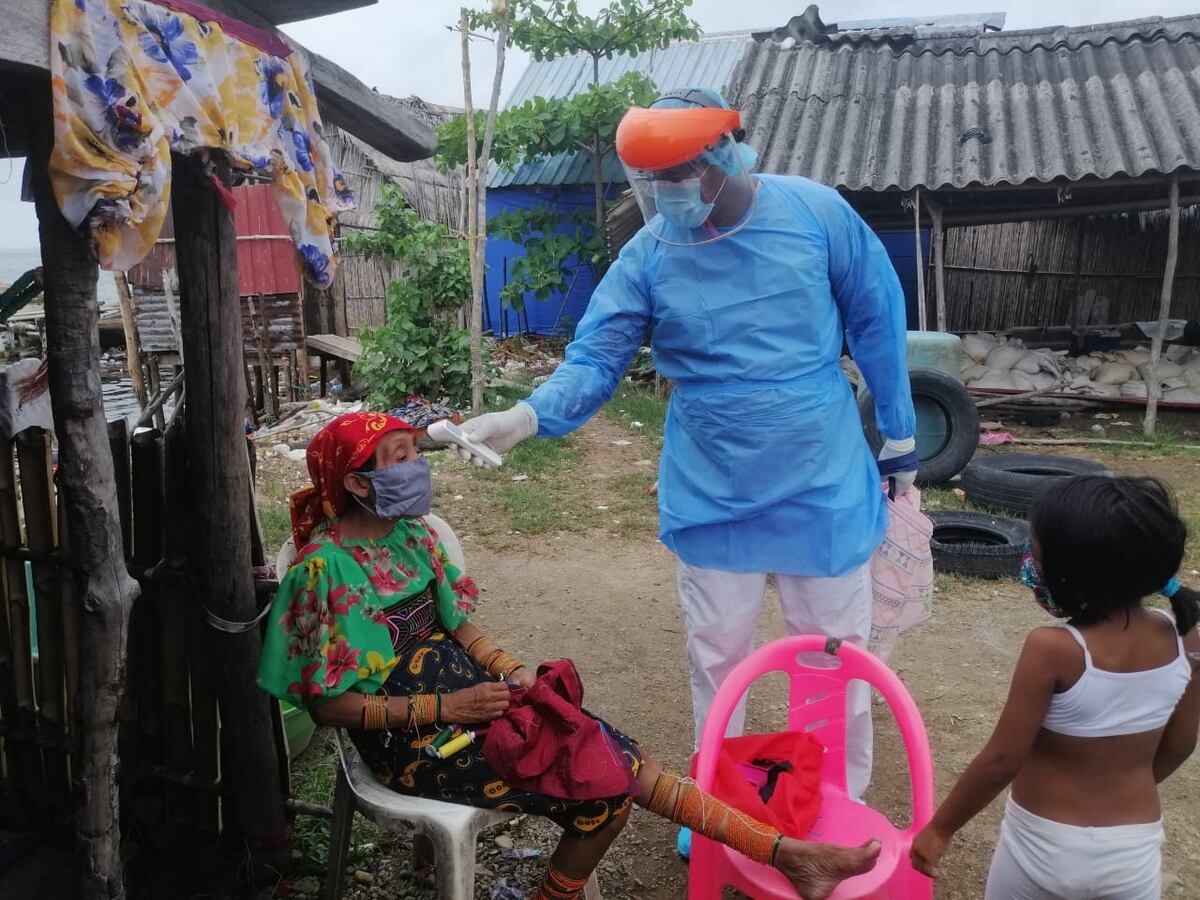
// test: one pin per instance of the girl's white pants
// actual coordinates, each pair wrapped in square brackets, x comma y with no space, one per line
[1039,859]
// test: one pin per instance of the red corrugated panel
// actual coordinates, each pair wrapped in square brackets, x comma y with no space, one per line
[266,255]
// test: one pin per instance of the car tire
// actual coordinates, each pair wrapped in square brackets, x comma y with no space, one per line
[1010,482]
[977,545]
[950,419]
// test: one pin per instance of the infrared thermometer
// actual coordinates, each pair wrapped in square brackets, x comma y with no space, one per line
[446,432]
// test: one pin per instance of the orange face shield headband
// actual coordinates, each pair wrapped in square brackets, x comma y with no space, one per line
[657,139]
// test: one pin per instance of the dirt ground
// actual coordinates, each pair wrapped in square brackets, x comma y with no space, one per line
[601,591]
[607,600]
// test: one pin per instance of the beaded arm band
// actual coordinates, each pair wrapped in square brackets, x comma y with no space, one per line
[423,709]
[492,659]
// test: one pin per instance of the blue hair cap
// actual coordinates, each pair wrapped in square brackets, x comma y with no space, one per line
[690,98]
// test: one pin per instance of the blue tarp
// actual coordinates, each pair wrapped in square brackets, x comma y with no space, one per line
[901,248]
[559,314]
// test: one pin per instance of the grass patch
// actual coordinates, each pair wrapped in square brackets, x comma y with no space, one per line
[313,778]
[632,403]
[536,491]
[1167,442]
[943,499]
[274,515]
[631,510]
[276,523]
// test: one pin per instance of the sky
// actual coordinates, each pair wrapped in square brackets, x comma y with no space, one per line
[403,48]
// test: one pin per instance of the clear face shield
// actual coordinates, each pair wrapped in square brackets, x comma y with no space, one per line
[706,199]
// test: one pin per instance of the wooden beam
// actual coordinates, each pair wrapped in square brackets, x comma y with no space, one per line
[922,312]
[101,583]
[344,100]
[219,472]
[281,12]
[1154,389]
[939,260]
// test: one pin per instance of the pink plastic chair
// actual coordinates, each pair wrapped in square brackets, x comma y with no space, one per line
[819,669]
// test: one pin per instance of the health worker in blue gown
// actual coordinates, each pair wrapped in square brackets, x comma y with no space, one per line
[746,285]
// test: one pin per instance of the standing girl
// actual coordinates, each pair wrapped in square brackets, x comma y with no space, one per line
[1102,707]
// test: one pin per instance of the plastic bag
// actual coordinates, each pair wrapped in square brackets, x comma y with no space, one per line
[901,574]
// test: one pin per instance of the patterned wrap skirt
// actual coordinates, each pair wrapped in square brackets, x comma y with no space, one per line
[439,664]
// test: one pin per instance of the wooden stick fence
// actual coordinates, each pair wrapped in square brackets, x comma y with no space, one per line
[169,733]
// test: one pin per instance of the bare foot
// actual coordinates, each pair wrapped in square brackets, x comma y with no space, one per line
[816,869]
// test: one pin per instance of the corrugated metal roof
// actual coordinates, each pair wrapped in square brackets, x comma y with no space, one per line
[886,110]
[704,63]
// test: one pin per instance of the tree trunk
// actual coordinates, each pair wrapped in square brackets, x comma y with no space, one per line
[473,223]
[479,248]
[206,254]
[97,564]
[598,160]
[1154,389]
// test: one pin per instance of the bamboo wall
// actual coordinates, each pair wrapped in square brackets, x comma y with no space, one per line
[1034,273]
[169,737]
[436,196]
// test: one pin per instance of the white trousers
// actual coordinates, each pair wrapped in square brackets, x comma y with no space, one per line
[720,612]
[1039,859]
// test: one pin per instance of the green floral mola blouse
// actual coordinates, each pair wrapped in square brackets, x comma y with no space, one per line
[328,632]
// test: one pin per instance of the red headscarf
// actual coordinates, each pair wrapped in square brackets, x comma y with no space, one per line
[338,449]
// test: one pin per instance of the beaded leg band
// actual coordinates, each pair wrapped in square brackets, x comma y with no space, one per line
[557,886]
[685,804]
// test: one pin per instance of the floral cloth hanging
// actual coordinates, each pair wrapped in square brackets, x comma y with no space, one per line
[135,81]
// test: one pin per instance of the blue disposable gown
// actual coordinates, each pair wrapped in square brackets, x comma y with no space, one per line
[764,465]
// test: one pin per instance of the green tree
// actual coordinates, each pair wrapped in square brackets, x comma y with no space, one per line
[587,122]
[549,29]
[420,350]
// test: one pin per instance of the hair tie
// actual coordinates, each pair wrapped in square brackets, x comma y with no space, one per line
[1171,589]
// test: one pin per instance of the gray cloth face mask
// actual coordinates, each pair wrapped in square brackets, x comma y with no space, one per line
[404,490]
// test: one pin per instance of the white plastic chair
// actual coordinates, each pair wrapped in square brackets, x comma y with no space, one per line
[451,828]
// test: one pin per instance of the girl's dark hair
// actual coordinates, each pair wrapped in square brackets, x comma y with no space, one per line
[1106,542]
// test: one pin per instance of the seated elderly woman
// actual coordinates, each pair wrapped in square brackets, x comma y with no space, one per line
[371,631]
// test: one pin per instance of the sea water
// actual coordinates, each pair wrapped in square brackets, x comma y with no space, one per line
[15,263]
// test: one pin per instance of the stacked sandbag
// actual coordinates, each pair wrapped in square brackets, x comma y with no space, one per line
[991,362]
[995,362]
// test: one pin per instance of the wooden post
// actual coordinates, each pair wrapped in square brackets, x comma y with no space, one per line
[473,225]
[71,618]
[133,350]
[156,390]
[37,501]
[21,734]
[1154,389]
[939,261]
[8,674]
[101,583]
[118,443]
[191,741]
[206,255]
[269,403]
[305,373]
[922,313]
[145,624]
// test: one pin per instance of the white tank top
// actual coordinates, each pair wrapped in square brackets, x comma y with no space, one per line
[1107,704]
